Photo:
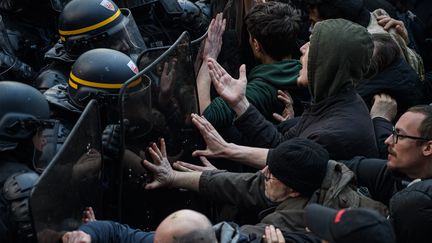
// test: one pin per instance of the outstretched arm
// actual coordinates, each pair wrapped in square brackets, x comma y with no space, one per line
[212,48]
[217,147]
[164,175]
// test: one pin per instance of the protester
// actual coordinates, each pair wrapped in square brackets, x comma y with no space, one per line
[338,54]
[409,156]
[272,28]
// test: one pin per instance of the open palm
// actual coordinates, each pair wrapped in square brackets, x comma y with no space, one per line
[230,89]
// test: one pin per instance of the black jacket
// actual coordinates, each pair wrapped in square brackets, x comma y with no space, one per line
[399,81]
[341,124]
[377,178]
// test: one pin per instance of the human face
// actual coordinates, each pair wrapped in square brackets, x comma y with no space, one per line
[39,140]
[275,190]
[303,80]
[406,155]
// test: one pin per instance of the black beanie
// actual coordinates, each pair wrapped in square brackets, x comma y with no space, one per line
[300,164]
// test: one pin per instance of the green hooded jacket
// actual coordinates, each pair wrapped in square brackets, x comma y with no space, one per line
[331,70]
[261,91]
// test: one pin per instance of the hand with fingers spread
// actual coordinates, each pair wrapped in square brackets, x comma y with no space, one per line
[88,215]
[213,42]
[288,111]
[216,145]
[273,235]
[388,22]
[384,106]
[184,166]
[163,174]
[167,82]
[233,91]
[77,236]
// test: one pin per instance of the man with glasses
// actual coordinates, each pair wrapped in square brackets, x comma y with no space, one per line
[294,170]
[409,156]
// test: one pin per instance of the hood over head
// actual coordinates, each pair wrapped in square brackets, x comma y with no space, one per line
[339,54]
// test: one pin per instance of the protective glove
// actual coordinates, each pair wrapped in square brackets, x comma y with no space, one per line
[111,141]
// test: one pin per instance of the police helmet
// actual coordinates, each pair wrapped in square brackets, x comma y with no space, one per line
[58,5]
[99,74]
[89,24]
[23,111]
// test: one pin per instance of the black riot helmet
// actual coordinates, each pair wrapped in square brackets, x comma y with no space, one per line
[58,5]
[99,74]
[24,111]
[90,24]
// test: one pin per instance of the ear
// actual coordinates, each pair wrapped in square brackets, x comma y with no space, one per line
[256,45]
[427,148]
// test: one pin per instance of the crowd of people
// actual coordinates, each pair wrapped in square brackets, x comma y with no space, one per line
[325,136]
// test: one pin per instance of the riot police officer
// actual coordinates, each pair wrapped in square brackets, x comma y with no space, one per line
[97,74]
[23,117]
[85,25]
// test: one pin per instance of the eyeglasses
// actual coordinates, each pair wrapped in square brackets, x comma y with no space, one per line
[396,136]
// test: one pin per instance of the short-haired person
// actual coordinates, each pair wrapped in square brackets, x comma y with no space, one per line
[410,156]
[273,28]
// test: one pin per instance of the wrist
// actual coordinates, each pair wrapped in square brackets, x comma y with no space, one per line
[173,181]
[241,106]
[373,116]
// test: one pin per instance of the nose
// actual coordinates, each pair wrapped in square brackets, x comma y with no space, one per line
[389,140]
[304,47]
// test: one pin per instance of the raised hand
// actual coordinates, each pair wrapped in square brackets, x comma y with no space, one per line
[288,111]
[233,91]
[213,42]
[163,174]
[167,82]
[216,145]
[384,106]
[387,22]
[183,166]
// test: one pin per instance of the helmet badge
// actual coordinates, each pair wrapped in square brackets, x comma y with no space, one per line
[108,5]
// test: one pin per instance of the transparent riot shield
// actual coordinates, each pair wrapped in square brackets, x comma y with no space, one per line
[71,181]
[173,99]
[173,92]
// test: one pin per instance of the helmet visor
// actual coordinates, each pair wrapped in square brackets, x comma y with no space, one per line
[137,108]
[124,37]
[174,95]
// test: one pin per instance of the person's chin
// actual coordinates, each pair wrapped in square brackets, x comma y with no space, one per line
[391,165]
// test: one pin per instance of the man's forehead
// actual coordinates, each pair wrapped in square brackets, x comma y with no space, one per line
[410,121]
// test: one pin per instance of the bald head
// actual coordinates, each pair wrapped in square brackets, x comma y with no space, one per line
[185,226]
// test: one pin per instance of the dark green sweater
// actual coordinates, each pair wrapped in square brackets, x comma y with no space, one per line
[261,91]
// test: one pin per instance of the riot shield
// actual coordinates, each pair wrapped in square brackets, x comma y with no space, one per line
[173,91]
[71,181]
[173,99]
